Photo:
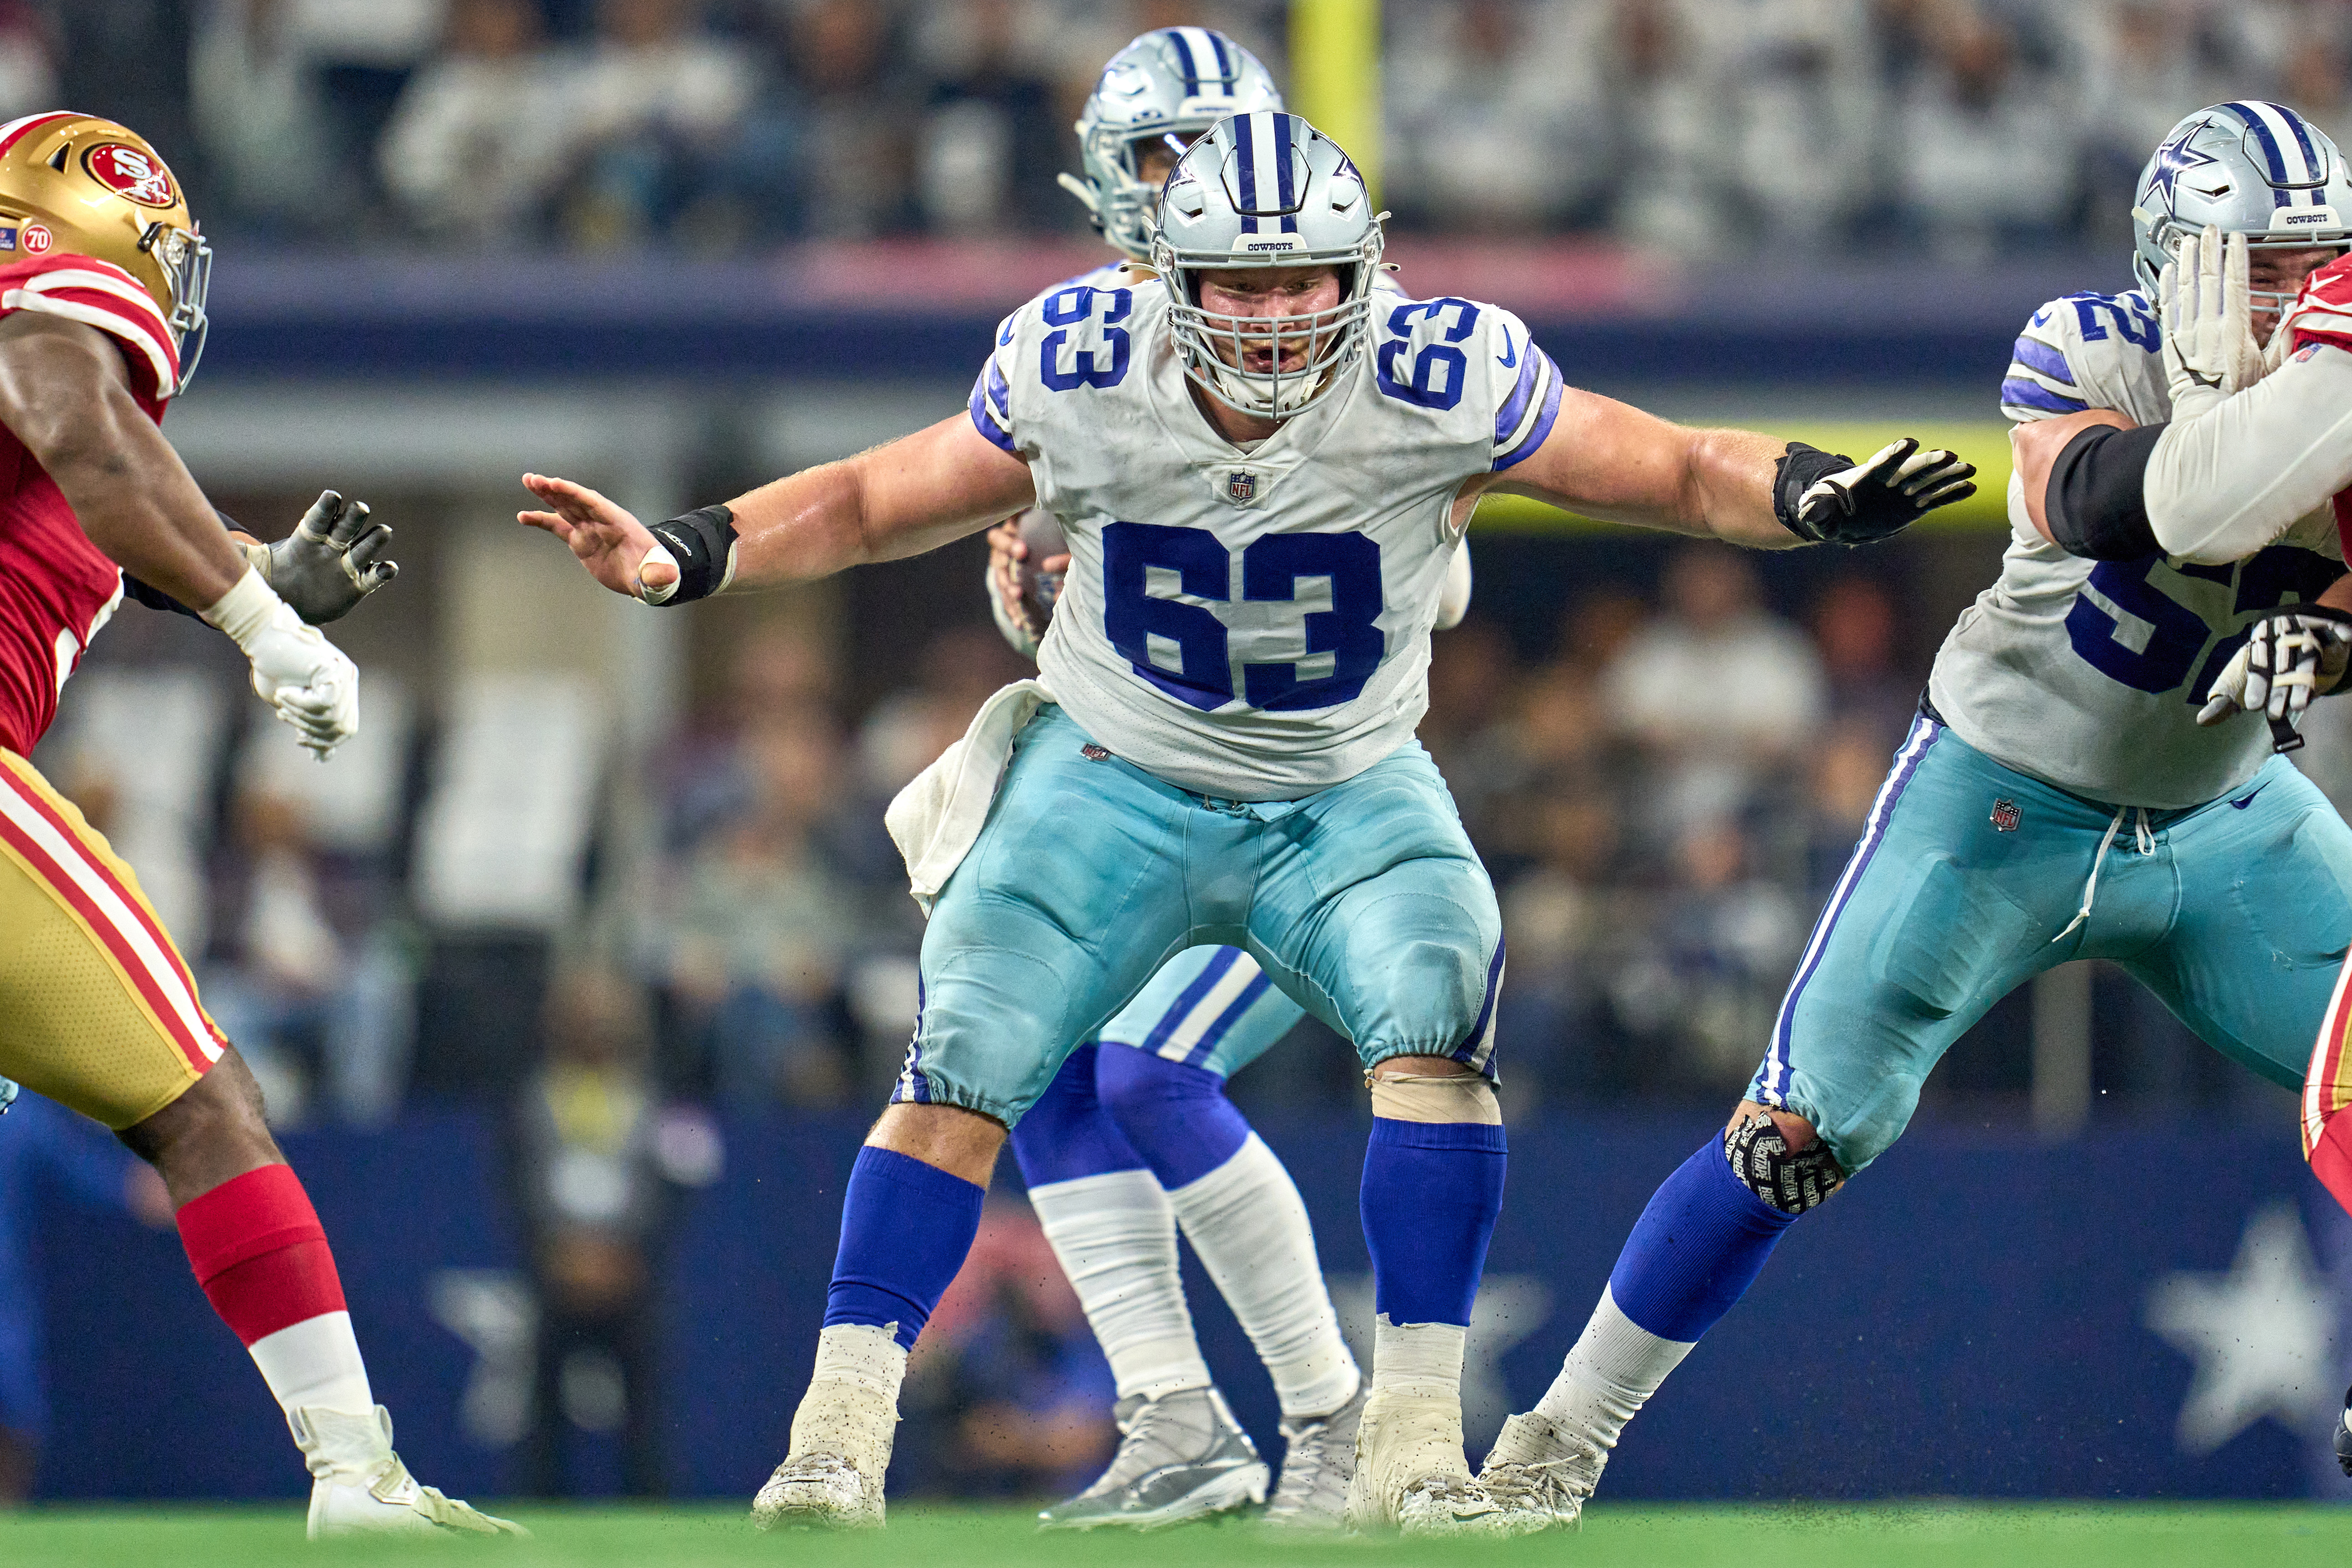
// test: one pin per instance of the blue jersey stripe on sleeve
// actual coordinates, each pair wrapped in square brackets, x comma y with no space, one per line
[1534,438]
[2018,392]
[1515,407]
[981,419]
[2040,357]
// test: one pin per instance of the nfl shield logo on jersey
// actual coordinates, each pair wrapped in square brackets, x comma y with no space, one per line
[1241,487]
[2004,816]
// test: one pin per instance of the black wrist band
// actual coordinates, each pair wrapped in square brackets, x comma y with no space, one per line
[702,541]
[2095,501]
[1800,469]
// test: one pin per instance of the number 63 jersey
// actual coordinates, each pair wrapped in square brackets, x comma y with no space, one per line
[1254,624]
[2089,674]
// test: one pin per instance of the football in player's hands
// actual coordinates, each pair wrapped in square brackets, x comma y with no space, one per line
[1043,564]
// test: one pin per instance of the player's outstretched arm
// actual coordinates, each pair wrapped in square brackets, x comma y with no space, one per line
[65,393]
[1608,460]
[900,499]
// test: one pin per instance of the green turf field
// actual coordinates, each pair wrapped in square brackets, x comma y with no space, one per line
[1894,1536]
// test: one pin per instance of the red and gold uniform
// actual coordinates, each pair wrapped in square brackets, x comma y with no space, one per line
[97,1007]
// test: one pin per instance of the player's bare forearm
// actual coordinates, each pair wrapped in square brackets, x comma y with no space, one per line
[2033,449]
[66,394]
[900,499]
[2337,595]
[1609,460]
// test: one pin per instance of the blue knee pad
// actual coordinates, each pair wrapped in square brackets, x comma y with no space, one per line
[1069,1132]
[906,1227]
[1176,1117]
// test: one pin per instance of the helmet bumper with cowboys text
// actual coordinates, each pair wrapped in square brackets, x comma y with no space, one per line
[2247,167]
[1257,191]
[1172,82]
[85,186]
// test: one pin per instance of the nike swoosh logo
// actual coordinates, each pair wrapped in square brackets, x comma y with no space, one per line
[1005,336]
[2247,799]
[1510,358]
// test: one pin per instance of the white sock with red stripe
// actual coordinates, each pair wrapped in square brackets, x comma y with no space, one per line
[261,1256]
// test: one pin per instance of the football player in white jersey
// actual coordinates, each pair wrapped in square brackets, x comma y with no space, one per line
[1136,1135]
[2058,798]
[1263,480]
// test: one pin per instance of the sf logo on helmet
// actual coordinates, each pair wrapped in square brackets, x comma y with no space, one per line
[131,174]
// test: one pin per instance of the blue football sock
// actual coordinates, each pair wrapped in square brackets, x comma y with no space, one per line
[1069,1133]
[1431,1193]
[1695,1249]
[905,1229]
[1176,1117]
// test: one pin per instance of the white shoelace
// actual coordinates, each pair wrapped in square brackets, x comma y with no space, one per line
[2142,841]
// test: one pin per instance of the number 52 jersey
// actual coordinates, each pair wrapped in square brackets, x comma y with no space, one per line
[2089,674]
[1253,624]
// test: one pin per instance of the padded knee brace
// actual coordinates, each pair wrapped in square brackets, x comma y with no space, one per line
[1790,1182]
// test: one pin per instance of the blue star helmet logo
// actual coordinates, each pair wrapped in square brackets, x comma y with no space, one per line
[2174,159]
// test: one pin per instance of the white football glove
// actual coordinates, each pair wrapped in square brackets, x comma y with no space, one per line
[2209,351]
[2288,658]
[311,683]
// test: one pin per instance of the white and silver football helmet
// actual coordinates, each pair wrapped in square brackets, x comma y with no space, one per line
[2251,168]
[1174,82]
[1266,190]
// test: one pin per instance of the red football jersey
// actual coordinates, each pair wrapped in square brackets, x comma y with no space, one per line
[2322,313]
[57,588]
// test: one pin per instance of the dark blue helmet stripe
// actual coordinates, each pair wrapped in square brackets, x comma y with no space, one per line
[1225,71]
[1245,162]
[2277,159]
[1185,67]
[1288,200]
[2295,123]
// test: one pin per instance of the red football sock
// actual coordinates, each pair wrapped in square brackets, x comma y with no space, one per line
[260,1253]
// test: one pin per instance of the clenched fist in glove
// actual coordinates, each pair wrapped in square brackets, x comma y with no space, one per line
[333,560]
[1830,499]
[2289,659]
[311,683]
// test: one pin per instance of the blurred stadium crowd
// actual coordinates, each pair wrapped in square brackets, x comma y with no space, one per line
[718,125]
[1665,792]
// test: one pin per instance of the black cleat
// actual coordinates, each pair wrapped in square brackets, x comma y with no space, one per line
[2344,1434]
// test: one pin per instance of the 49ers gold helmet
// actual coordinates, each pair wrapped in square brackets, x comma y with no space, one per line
[87,186]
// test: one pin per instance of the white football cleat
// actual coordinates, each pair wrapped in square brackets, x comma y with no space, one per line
[1539,1474]
[1410,1472]
[818,1491]
[359,1487]
[831,1478]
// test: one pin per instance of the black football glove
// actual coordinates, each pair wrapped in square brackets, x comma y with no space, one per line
[333,560]
[1826,498]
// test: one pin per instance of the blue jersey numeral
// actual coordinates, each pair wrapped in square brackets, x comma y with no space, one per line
[1440,371]
[1066,308]
[2160,660]
[1132,617]
[2133,322]
[1272,569]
